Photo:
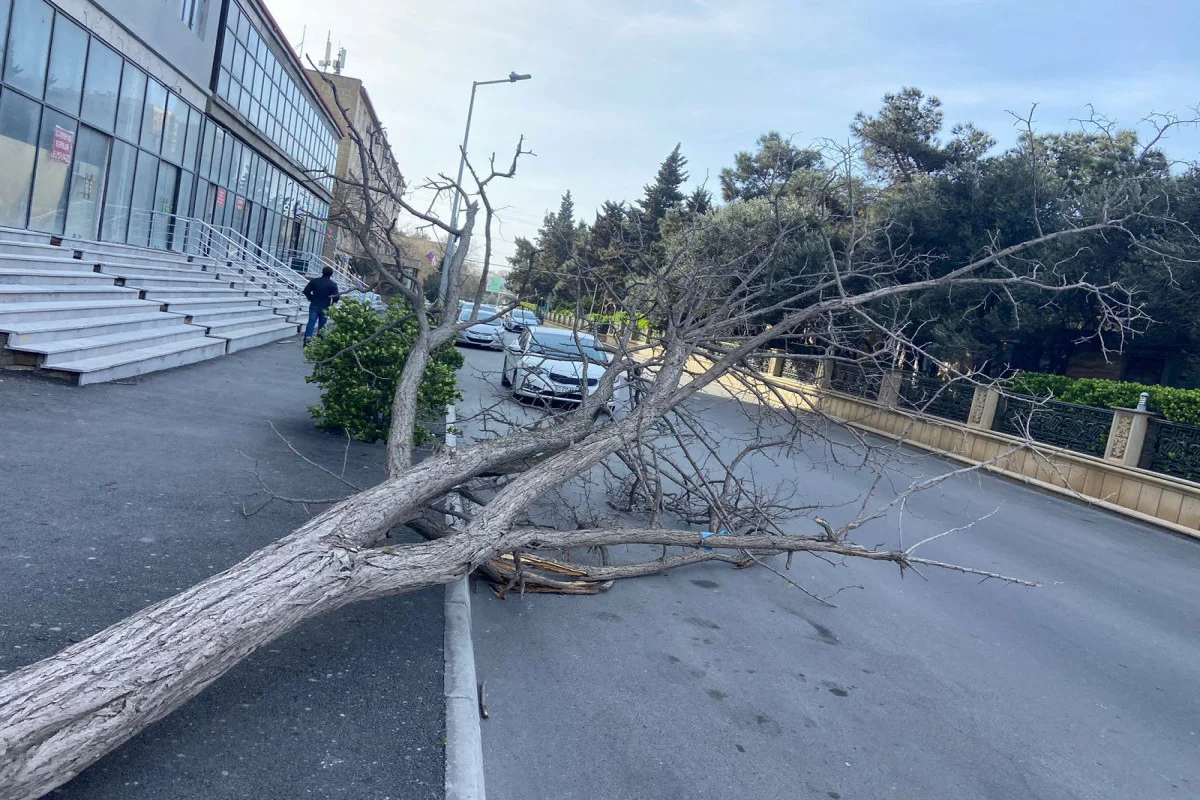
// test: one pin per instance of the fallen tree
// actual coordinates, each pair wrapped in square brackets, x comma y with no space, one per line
[813,267]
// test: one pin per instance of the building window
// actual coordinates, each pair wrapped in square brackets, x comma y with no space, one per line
[29,46]
[18,143]
[64,87]
[117,198]
[56,150]
[102,85]
[154,115]
[133,96]
[189,10]
[87,184]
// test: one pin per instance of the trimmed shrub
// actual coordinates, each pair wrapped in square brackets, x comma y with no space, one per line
[357,386]
[1176,405]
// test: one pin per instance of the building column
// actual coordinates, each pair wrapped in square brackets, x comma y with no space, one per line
[889,388]
[1127,435]
[983,408]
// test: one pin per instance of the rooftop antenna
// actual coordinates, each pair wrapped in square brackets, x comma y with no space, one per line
[303,36]
[340,64]
[327,61]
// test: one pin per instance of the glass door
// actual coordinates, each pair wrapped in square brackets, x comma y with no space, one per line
[87,184]
[164,205]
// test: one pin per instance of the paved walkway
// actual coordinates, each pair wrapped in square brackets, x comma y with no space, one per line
[719,684]
[115,496]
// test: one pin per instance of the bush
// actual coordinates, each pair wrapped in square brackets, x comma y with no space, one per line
[1176,405]
[357,387]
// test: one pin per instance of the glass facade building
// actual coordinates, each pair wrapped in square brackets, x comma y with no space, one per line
[92,143]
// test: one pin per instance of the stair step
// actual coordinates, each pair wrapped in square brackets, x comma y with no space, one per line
[62,261]
[26,333]
[54,353]
[221,327]
[254,337]
[53,277]
[192,305]
[173,284]
[173,293]
[25,313]
[139,362]
[41,293]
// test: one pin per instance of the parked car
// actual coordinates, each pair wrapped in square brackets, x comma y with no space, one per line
[487,332]
[370,298]
[519,319]
[553,365]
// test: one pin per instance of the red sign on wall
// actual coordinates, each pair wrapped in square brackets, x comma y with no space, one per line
[64,144]
[241,203]
[220,198]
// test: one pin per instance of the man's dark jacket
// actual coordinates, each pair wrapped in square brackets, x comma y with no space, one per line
[321,292]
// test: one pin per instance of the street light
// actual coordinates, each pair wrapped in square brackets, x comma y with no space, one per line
[462,163]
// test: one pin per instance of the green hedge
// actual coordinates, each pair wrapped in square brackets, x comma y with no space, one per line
[618,320]
[1176,405]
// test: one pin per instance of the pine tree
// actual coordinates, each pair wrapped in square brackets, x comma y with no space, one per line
[662,195]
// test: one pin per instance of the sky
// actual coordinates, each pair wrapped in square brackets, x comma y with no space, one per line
[617,83]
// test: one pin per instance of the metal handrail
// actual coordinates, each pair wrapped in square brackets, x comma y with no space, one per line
[195,237]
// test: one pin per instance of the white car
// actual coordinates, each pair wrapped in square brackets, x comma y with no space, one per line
[519,319]
[553,364]
[486,333]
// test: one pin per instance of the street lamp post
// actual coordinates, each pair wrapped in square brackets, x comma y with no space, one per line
[452,240]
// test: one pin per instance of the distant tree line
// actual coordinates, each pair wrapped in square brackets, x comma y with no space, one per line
[946,199]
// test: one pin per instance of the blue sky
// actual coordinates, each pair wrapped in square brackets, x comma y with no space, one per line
[617,83]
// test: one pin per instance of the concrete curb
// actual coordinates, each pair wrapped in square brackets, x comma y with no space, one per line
[464,740]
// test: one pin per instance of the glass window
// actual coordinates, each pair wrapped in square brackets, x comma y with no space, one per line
[227,161]
[56,149]
[18,144]
[143,199]
[103,83]
[29,46]
[183,206]
[133,94]
[239,60]
[243,25]
[174,128]
[64,86]
[5,7]
[193,138]
[164,205]
[153,116]
[206,151]
[87,184]
[116,199]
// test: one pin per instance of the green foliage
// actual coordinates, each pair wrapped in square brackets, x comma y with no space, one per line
[357,387]
[1176,405]
[618,320]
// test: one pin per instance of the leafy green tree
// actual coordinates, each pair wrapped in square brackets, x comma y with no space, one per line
[662,195]
[357,362]
[763,172]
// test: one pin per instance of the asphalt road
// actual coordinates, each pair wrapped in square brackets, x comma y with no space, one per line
[719,683]
[115,496]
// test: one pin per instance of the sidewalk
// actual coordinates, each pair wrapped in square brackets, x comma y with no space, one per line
[117,495]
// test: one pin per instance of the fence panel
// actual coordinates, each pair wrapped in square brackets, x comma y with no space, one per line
[950,400]
[1080,428]
[856,380]
[1175,450]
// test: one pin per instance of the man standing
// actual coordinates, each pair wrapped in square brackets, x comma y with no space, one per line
[321,292]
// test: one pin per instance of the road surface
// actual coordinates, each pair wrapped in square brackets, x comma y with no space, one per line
[719,683]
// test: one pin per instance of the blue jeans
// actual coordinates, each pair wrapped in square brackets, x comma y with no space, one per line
[316,319]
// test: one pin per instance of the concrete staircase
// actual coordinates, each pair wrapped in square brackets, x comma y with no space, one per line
[90,312]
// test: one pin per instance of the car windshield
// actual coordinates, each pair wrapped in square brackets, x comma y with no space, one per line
[484,312]
[564,345]
[523,316]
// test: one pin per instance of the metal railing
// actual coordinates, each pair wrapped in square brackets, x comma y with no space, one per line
[1083,429]
[190,236]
